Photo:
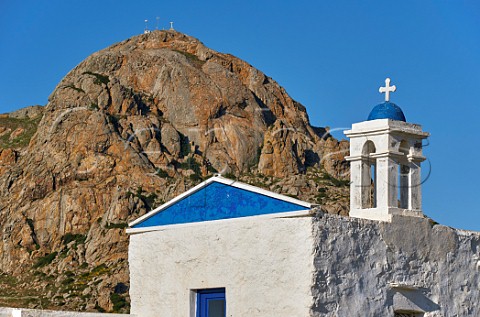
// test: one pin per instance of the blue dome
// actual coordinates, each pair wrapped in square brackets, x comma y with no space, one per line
[387,110]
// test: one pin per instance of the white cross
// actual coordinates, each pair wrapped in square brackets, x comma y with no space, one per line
[387,89]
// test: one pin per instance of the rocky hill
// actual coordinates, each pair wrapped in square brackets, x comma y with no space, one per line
[130,127]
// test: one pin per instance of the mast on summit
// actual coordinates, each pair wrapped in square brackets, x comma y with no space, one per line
[146,30]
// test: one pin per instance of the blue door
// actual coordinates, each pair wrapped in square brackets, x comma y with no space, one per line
[211,303]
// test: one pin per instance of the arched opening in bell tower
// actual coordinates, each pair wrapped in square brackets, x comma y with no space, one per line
[403,176]
[369,176]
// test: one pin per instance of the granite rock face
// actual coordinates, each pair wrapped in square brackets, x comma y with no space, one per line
[169,84]
[133,126]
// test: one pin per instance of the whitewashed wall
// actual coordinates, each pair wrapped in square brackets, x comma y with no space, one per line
[370,268]
[266,266]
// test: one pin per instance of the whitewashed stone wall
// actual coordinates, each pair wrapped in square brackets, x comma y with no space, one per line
[265,265]
[368,268]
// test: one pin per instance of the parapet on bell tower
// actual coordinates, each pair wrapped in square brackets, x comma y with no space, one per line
[385,157]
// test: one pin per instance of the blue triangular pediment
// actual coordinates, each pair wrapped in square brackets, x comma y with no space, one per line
[215,201]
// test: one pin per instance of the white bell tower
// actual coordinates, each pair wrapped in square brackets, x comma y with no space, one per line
[385,157]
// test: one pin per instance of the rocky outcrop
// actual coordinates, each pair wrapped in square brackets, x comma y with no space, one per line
[30,112]
[129,128]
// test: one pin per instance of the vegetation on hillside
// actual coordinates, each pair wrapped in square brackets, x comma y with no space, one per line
[16,133]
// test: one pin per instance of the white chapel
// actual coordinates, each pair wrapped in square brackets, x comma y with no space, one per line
[226,248]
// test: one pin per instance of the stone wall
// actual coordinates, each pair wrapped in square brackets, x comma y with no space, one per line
[369,268]
[264,263]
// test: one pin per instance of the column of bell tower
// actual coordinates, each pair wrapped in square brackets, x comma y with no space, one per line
[385,157]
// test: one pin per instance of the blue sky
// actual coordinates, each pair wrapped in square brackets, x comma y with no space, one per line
[329,55]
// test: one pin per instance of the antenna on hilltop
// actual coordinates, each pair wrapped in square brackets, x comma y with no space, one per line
[156,27]
[146,31]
